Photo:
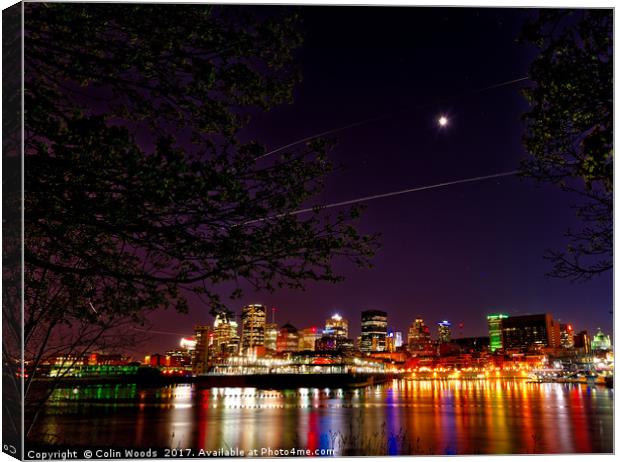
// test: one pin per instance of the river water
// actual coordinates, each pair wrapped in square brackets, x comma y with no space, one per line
[400,417]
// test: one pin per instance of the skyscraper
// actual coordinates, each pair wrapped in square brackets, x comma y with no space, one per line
[495,331]
[288,339]
[374,331]
[531,331]
[271,336]
[582,341]
[308,338]
[204,338]
[225,336]
[419,336]
[567,336]
[337,326]
[253,319]
[445,332]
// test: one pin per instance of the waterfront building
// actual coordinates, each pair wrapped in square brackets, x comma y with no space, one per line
[530,331]
[600,341]
[496,339]
[271,336]
[346,347]
[374,331]
[83,371]
[567,337]
[253,320]
[225,336]
[106,359]
[308,338]
[445,331]
[419,336]
[155,360]
[337,326]
[179,357]
[204,339]
[288,339]
[581,341]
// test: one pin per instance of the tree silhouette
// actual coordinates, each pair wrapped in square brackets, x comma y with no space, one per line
[569,132]
[139,187]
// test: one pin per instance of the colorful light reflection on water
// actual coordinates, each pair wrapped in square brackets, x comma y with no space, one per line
[402,417]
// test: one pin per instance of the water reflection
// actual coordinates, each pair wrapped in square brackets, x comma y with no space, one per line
[402,417]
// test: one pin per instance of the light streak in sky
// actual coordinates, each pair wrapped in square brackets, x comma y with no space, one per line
[378,118]
[161,332]
[391,194]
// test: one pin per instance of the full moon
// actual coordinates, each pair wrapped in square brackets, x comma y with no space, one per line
[443,121]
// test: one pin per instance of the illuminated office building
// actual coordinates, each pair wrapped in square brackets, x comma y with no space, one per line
[419,336]
[253,320]
[225,336]
[495,331]
[374,331]
[337,326]
[271,336]
[203,336]
[530,331]
[582,341]
[188,343]
[567,336]
[445,332]
[288,339]
[398,339]
[308,338]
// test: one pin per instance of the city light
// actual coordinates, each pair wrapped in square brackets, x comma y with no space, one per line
[188,343]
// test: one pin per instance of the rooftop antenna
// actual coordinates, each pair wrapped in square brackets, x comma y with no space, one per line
[273,315]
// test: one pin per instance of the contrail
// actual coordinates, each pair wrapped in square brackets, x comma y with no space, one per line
[162,332]
[328,132]
[502,84]
[390,194]
[385,116]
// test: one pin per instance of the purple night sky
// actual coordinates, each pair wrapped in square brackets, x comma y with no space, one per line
[454,253]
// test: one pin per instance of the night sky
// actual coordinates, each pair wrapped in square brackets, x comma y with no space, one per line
[455,253]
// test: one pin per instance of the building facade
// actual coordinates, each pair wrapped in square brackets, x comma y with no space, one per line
[337,326]
[600,341]
[374,331]
[271,336]
[567,336]
[288,339]
[308,338]
[203,335]
[496,338]
[419,336]
[444,329]
[253,320]
[530,332]
[225,335]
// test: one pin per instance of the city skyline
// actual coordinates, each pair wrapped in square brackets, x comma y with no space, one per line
[433,328]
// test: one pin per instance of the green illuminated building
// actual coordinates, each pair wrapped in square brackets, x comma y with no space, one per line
[601,342]
[495,331]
